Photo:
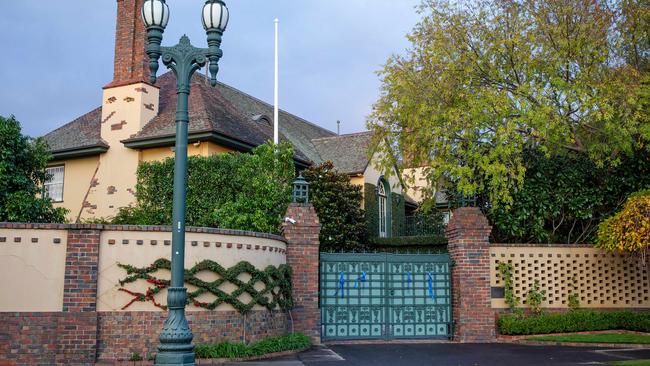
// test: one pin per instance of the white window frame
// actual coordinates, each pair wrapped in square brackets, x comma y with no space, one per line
[382,202]
[54,185]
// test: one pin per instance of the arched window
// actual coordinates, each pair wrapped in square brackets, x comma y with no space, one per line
[383,209]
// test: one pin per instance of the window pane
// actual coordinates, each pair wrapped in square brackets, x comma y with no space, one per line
[54,185]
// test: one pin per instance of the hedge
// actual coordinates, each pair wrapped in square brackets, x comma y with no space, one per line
[574,321]
[294,341]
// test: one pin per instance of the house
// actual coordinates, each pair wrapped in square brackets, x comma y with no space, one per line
[95,157]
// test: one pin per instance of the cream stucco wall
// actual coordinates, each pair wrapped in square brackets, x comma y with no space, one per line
[125,110]
[372,175]
[416,182]
[77,177]
[32,271]
[260,252]
[203,148]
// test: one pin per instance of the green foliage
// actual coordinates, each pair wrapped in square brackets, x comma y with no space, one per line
[505,270]
[371,207]
[425,240]
[574,301]
[233,191]
[294,341]
[483,82]
[534,298]
[22,174]
[338,205]
[574,321]
[276,280]
[629,229]
[135,356]
[564,197]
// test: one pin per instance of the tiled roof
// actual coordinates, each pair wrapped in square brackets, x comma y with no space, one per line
[81,133]
[223,110]
[349,153]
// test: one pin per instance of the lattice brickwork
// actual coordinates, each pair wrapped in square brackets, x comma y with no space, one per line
[601,279]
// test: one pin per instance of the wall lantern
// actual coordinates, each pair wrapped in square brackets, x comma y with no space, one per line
[300,190]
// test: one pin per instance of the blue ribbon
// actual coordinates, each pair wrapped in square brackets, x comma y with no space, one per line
[341,285]
[408,279]
[431,287]
[362,278]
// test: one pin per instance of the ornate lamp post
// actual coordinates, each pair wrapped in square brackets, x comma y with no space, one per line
[176,337]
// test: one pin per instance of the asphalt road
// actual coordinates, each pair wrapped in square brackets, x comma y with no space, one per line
[456,355]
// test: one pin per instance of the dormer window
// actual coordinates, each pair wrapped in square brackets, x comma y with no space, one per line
[263,118]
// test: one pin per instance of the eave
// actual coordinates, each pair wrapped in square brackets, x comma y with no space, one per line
[211,136]
[78,152]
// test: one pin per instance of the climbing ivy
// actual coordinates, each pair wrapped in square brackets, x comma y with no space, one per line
[505,270]
[276,280]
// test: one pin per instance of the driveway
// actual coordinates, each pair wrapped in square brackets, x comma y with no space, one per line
[455,355]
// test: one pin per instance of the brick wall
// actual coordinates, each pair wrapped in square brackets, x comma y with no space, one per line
[468,234]
[303,257]
[120,333]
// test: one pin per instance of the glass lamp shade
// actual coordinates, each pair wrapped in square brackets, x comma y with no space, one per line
[215,15]
[155,13]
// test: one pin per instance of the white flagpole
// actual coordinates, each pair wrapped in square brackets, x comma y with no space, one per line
[276,138]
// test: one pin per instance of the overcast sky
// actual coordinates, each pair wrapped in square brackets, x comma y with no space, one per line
[58,54]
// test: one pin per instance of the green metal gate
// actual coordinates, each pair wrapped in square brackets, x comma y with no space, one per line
[385,296]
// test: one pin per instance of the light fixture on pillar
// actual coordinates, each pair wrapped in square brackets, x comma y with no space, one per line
[300,190]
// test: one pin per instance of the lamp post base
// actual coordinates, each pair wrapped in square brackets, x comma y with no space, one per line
[180,359]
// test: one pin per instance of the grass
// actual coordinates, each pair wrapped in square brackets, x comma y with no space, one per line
[295,341]
[626,338]
[631,363]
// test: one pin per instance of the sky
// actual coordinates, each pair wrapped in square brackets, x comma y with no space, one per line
[59,54]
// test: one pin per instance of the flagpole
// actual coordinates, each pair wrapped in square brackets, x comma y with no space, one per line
[276,122]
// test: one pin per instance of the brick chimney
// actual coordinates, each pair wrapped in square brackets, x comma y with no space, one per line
[131,62]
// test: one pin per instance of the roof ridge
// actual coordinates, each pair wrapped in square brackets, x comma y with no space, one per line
[344,135]
[271,106]
[73,121]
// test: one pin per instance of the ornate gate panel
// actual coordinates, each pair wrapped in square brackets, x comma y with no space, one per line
[384,296]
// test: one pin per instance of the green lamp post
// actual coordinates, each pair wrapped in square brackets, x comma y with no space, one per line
[184,59]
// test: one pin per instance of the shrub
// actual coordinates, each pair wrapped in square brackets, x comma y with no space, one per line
[294,341]
[574,321]
[233,191]
[338,205]
[534,298]
[628,230]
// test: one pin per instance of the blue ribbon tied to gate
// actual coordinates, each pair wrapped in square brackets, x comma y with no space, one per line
[408,279]
[361,278]
[341,285]
[431,294]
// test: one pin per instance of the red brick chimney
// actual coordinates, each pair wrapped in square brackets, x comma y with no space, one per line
[131,62]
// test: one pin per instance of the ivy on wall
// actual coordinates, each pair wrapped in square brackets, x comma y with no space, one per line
[398,214]
[371,207]
[276,292]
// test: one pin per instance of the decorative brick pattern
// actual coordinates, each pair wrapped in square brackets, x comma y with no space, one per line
[80,289]
[468,234]
[599,278]
[303,257]
[149,106]
[118,126]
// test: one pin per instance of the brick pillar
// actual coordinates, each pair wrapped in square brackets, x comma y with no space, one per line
[303,257]
[468,235]
[77,329]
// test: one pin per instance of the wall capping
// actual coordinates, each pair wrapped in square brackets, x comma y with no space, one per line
[162,228]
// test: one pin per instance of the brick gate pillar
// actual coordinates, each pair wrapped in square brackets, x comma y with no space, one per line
[77,329]
[468,235]
[303,257]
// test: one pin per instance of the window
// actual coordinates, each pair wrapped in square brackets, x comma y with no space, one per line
[54,185]
[381,191]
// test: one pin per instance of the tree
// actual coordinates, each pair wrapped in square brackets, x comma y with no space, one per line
[564,198]
[22,175]
[629,229]
[486,80]
[338,205]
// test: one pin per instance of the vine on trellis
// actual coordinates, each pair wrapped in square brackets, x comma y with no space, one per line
[276,280]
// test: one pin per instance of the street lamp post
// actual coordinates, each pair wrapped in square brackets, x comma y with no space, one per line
[184,59]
